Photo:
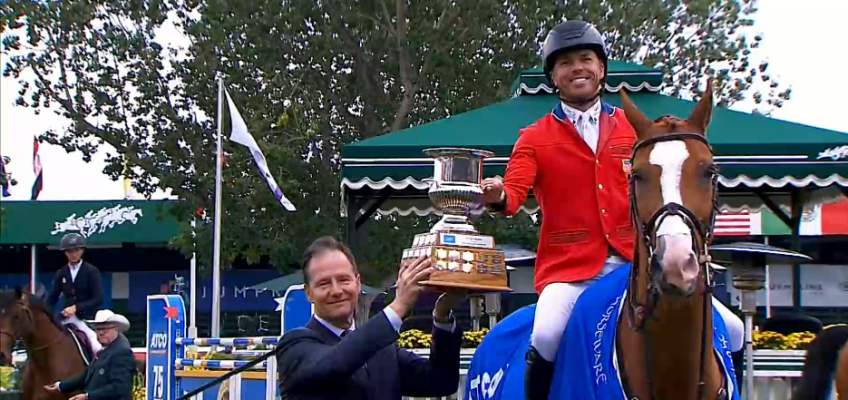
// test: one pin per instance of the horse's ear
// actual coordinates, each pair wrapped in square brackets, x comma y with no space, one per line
[21,295]
[637,120]
[702,114]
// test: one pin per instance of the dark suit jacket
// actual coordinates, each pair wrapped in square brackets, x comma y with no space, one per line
[86,292]
[314,363]
[109,377]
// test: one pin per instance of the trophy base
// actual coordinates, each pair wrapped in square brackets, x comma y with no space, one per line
[477,287]
[463,261]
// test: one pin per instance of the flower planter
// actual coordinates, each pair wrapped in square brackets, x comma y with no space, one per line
[779,363]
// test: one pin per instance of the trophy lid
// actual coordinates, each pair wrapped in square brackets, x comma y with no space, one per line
[459,151]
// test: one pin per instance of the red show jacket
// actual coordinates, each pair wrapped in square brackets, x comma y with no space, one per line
[583,196]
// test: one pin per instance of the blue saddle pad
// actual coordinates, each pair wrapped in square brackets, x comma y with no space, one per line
[585,368]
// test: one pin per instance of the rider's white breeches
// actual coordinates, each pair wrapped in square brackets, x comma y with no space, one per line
[557,301]
[92,337]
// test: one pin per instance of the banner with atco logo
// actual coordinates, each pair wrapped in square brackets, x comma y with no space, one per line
[165,324]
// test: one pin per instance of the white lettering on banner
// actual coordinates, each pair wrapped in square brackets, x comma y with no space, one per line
[834,153]
[485,386]
[159,382]
[600,376]
[822,285]
[244,291]
[159,341]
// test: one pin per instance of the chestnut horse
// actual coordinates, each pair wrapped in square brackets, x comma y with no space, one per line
[826,366]
[665,335]
[52,354]
[666,344]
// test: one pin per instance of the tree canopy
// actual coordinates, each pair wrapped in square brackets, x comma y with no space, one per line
[310,76]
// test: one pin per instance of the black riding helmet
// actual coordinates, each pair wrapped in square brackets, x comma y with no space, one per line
[571,35]
[72,241]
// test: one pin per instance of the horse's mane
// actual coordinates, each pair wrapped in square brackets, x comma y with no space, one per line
[821,364]
[9,297]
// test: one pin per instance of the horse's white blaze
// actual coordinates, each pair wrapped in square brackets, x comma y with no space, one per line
[670,156]
[678,262]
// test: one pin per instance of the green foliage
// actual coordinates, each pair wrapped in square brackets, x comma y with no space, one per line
[309,77]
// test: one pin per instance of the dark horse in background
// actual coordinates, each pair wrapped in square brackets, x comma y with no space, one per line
[669,339]
[52,354]
[826,367]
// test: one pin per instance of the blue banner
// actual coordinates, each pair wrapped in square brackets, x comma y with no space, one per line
[297,310]
[165,324]
[236,294]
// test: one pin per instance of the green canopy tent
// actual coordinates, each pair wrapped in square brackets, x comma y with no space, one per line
[765,162]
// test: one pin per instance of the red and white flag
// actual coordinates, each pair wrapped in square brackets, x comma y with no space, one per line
[36,167]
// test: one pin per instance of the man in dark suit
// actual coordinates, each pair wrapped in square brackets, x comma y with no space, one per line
[79,282]
[110,376]
[332,358]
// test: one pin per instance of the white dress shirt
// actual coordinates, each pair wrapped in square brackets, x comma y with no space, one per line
[391,315]
[74,270]
[587,123]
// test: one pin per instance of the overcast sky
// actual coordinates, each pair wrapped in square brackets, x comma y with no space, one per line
[803,43]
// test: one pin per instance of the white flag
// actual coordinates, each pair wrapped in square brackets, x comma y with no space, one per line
[241,136]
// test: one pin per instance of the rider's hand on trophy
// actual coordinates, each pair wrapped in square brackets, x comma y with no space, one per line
[493,190]
[408,288]
[446,303]
[69,311]
[52,388]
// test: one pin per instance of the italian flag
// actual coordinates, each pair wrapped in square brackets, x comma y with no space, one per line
[827,219]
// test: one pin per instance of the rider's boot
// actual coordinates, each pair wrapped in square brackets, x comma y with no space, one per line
[538,376]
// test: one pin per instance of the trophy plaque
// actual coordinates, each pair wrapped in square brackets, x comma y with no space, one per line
[463,258]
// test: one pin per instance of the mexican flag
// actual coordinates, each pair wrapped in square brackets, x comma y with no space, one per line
[827,219]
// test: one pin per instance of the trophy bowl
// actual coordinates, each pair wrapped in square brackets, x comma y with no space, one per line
[463,258]
[455,187]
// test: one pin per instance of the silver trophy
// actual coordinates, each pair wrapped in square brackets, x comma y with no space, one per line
[463,258]
[455,187]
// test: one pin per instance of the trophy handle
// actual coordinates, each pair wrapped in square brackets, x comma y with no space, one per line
[434,184]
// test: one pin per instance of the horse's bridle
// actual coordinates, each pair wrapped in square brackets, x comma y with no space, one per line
[29,313]
[701,237]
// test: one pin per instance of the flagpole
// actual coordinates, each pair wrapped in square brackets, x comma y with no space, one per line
[216,261]
[192,328]
[33,270]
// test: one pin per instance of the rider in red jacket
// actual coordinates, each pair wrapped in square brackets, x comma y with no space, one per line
[576,160]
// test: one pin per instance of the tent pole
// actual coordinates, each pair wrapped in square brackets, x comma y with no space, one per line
[798,202]
[366,216]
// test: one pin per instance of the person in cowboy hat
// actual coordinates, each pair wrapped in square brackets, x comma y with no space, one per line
[577,160]
[79,282]
[110,376]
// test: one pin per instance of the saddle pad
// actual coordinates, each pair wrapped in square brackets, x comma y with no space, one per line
[586,367]
[82,343]
[497,369]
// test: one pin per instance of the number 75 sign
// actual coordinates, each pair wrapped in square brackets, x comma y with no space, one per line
[165,324]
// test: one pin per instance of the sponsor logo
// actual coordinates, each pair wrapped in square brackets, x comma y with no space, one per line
[159,341]
[834,153]
[485,386]
[598,367]
[94,222]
